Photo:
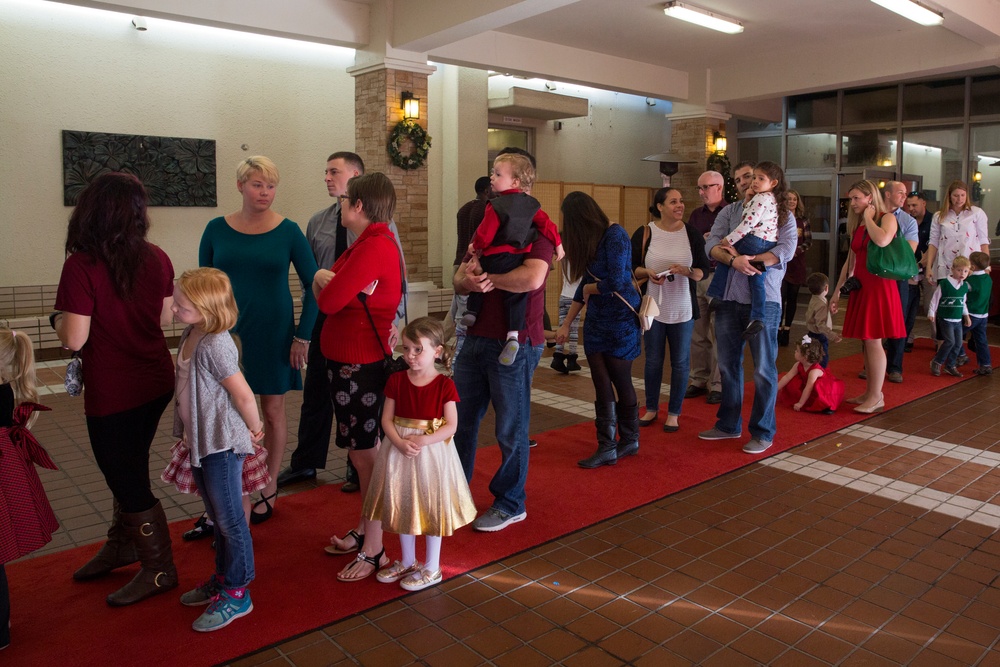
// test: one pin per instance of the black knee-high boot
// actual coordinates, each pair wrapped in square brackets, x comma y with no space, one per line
[628,430]
[607,448]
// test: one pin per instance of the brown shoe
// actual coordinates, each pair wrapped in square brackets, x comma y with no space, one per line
[896,377]
[118,551]
[151,535]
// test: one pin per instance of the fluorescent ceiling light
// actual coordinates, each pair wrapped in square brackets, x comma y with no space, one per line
[912,10]
[702,17]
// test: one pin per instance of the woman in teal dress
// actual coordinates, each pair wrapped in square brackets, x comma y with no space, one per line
[254,247]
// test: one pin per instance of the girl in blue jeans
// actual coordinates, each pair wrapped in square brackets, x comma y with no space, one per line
[216,415]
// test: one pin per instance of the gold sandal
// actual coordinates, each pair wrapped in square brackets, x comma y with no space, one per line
[397,571]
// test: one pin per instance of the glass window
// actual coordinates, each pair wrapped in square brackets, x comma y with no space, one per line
[873,105]
[985,152]
[868,148]
[812,151]
[934,99]
[936,155]
[818,110]
[985,95]
[743,125]
[760,149]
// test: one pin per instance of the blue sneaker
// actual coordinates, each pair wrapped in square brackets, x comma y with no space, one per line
[224,610]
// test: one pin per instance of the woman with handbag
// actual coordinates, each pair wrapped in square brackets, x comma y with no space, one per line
[113,299]
[599,252]
[668,258]
[359,296]
[873,311]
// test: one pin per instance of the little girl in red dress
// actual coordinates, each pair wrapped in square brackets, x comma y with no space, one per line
[26,518]
[808,386]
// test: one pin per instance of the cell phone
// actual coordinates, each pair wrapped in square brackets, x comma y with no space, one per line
[758,264]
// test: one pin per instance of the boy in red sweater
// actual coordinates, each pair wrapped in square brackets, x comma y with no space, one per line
[513,220]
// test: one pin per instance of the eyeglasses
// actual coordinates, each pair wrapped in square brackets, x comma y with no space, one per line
[344,198]
[702,188]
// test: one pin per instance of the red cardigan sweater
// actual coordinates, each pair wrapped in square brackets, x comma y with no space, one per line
[347,335]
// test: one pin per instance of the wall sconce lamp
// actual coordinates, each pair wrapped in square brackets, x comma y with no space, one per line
[977,176]
[720,142]
[410,105]
[139,23]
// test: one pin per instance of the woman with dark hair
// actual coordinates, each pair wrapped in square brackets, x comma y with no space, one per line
[669,257]
[114,296]
[599,253]
[254,247]
[360,296]
[795,270]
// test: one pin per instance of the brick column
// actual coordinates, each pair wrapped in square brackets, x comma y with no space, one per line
[693,137]
[376,111]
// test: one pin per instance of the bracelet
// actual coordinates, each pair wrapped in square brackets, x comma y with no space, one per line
[732,259]
[52,317]
[300,340]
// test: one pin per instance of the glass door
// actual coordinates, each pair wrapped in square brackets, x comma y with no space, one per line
[819,193]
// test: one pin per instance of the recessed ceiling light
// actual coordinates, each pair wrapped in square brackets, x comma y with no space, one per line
[702,17]
[912,10]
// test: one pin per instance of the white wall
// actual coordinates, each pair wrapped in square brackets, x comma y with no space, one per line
[66,67]
[606,146]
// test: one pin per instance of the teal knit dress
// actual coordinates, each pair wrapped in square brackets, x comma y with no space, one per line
[257,266]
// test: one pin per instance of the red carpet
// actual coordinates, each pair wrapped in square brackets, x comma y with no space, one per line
[57,621]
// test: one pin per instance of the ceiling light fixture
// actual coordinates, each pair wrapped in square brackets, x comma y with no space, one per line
[703,17]
[912,10]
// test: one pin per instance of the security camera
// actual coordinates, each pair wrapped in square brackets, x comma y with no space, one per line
[139,23]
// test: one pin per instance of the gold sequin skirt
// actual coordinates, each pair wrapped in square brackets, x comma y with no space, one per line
[423,495]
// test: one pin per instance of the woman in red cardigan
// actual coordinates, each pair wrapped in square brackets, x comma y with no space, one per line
[369,272]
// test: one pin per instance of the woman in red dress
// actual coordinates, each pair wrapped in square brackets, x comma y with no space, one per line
[873,311]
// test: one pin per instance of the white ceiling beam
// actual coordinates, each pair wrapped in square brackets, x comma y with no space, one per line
[838,64]
[335,22]
[528,57]
[976,20]
[423,25]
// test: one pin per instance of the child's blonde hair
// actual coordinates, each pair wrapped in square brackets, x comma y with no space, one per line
[211,293]
[433,331]
[811,349]
[17,365]
[980,260]
[520,168]
[961,262]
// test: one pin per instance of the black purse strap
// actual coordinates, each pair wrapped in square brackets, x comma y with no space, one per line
[363,298]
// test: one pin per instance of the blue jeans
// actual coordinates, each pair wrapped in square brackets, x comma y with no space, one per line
[220,482]
[748,245]
[978,338]
[951,337]
[679,338]
[481,380]
[731,318]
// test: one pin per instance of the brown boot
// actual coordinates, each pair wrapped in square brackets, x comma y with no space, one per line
[151,536]
[118,551]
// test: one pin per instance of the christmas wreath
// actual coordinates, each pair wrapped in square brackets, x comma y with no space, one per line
[408,130]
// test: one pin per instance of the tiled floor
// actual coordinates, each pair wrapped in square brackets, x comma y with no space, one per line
[876,545]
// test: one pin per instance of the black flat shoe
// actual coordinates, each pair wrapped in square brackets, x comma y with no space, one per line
[261,517]
[202,528]
[668,428]
[646,420]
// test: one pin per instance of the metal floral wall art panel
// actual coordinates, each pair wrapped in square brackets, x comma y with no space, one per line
[176,171]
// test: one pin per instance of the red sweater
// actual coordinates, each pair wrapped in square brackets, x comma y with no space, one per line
[347,335]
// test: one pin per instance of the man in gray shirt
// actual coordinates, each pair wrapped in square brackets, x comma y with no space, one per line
[732,315]
[328,239]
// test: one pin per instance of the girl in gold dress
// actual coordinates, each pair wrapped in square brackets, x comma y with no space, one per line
[418,486]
